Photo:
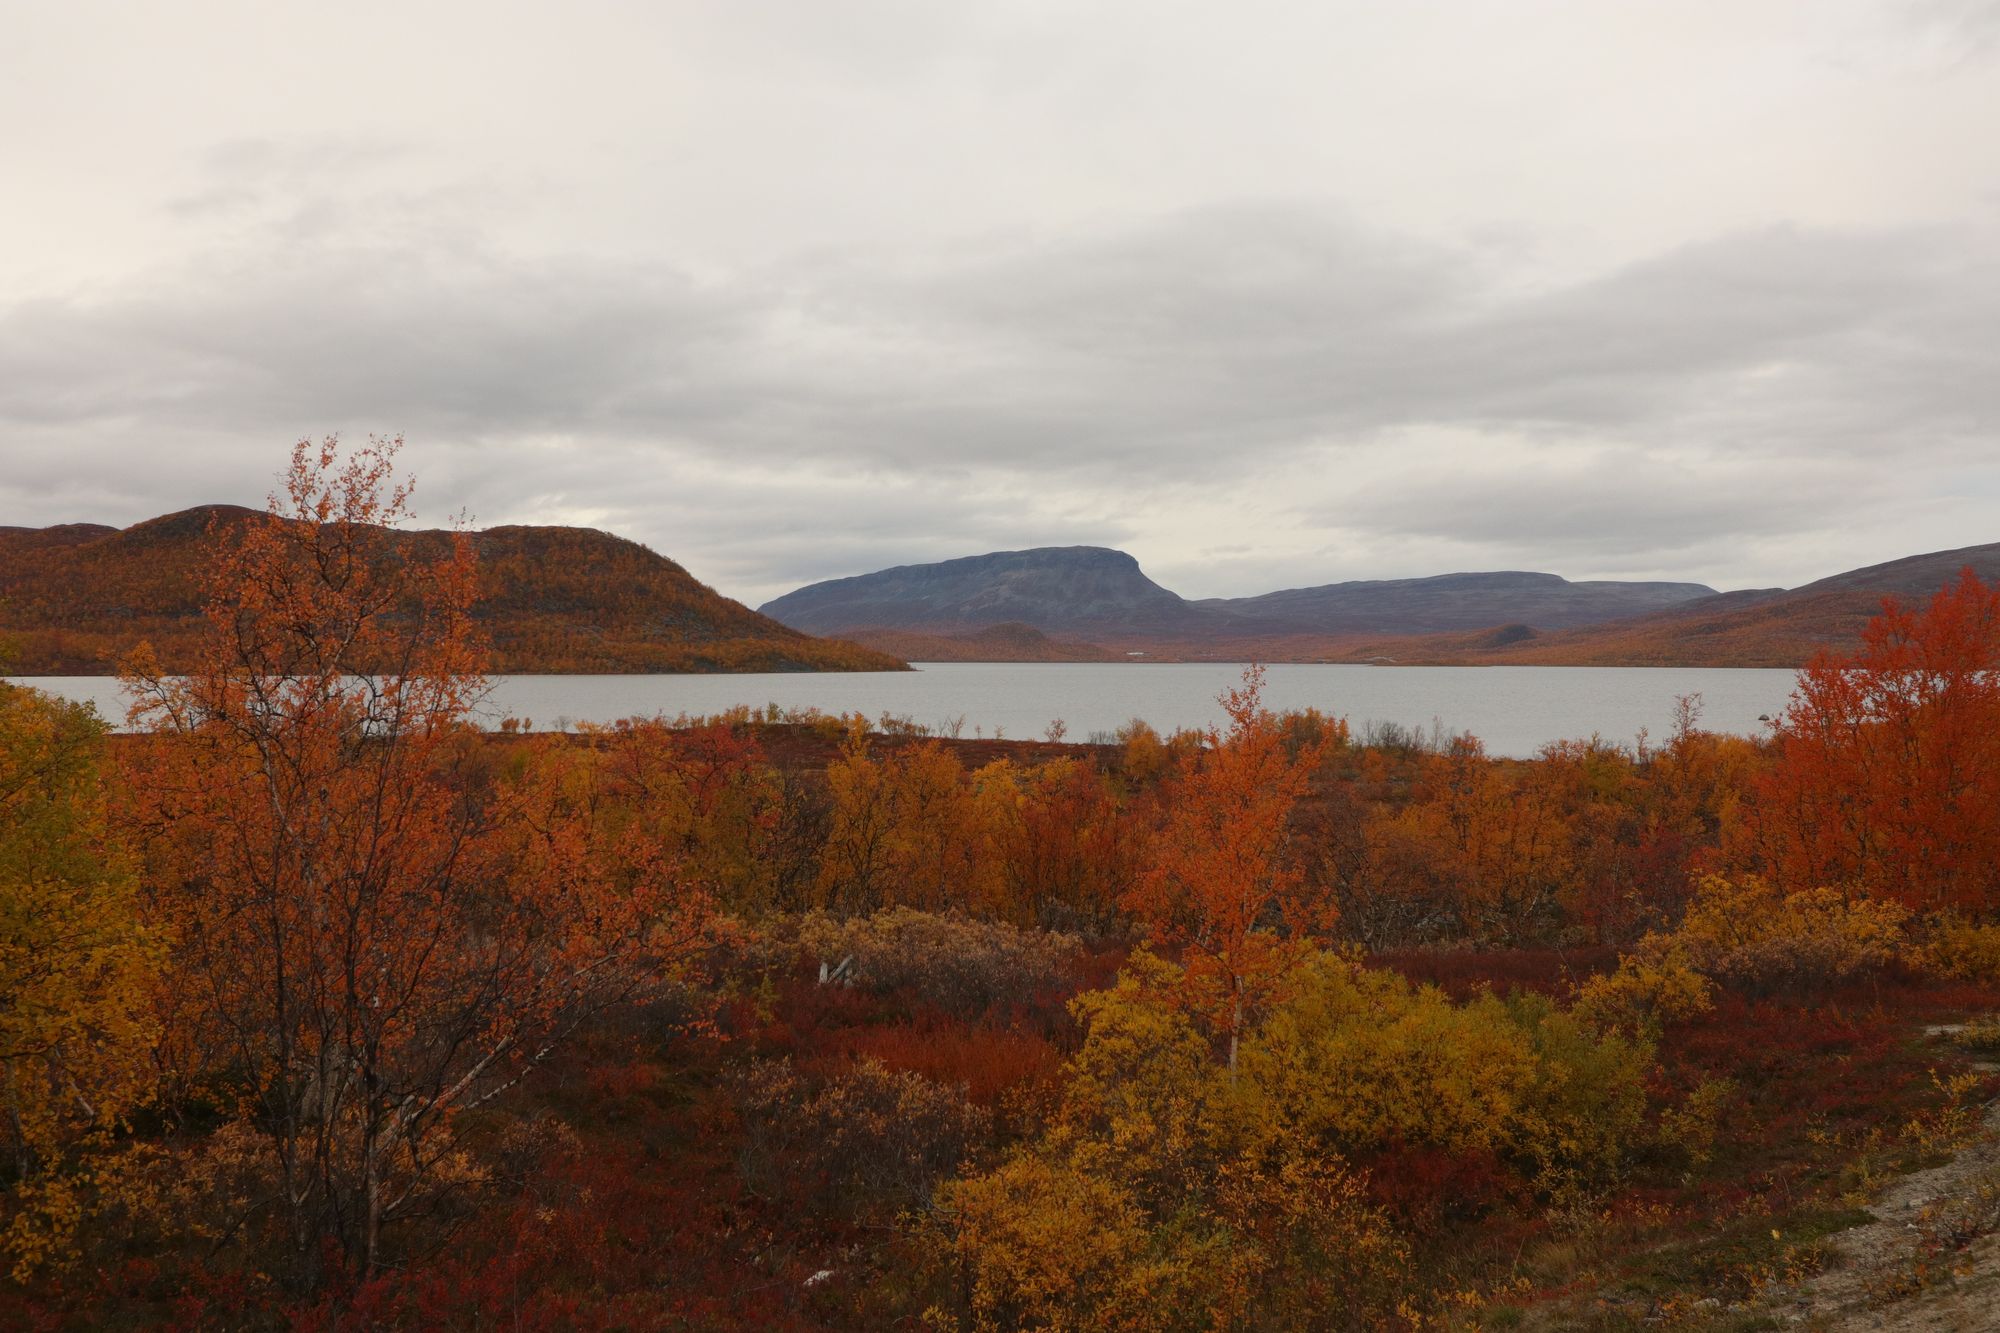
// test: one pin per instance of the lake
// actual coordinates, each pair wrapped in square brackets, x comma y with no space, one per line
[1514,710]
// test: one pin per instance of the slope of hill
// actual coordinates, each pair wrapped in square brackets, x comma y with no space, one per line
[74,599]
[1009,641]
[1763,628]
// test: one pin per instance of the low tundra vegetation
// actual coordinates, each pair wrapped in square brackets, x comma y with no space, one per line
[321,1008]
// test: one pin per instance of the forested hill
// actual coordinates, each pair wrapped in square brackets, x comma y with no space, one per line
[75,598]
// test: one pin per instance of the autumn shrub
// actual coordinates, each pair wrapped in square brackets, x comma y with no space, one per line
[1356,1063]
[961,965]
[371,936]
[1223,885]
[870,1136]
[1040,1243]
[704,791]
[1066,851]
[1691,1125]
[1307,1246]
[1270,1193]
[989,1061]
[1359,1061]
[77,967]
[1307,730]
[1580,1116]
[1981,1035]
[1963,951]
[1159,1198]
[1887,765]
[1144,1098]
[1142,755]
[905,827]
[1748,936]
[1650,988]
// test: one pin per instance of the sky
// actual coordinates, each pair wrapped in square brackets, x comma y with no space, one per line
[1268,294]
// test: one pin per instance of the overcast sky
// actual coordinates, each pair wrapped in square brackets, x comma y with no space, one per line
[1268,294]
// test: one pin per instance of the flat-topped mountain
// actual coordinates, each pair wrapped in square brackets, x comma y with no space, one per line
[75,598]
[1104,595]
[1049,588]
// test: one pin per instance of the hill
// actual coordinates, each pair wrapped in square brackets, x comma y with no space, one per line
[75,598]
[1771,627]
[1103,595]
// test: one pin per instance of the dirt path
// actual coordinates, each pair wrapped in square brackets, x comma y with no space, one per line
[1905,1272]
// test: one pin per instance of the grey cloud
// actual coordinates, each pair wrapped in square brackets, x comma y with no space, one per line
[1243,329]
[1610,501]
[970,390]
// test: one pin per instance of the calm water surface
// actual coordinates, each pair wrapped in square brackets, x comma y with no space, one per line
[1514,710]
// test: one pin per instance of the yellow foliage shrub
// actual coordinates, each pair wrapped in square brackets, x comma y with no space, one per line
[1359,1059]
[1041,1244]
[1746,933]
[1748,936]
[1311,1249]
[1964,951]
[76,968]
[1651,987]
[1174,1191]
[1691,1126]
[1142,1098]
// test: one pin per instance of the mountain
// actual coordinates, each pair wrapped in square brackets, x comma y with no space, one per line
[1103,595]
[75,598]
[1769,627]
[1048,588]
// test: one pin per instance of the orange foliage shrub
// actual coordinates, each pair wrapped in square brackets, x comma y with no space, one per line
[1067,854]
[1888,772]
[706,793]
[1221,883]
[906,829]
[369,939]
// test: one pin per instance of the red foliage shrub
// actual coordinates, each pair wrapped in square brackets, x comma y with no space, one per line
[1423,1186]
[1464,972]
[987,1061]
